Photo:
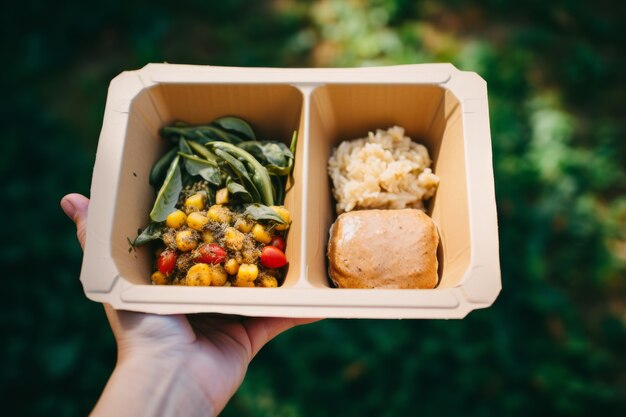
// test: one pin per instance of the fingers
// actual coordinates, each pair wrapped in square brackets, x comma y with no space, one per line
[263,329]
[75,207]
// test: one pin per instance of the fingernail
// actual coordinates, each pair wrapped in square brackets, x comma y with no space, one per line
[68,208]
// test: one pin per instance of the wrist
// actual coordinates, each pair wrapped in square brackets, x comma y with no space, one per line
[150,386]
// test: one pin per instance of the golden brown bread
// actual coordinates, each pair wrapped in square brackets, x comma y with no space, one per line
[383,249]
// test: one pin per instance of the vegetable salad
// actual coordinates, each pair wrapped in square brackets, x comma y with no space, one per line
[218,218]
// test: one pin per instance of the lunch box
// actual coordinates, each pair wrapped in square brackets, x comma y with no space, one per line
[438,105]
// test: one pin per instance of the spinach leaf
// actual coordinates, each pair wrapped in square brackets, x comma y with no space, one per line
[292,147]
[238,169]
[275,156]
[159,169]
[184,147]
[188,132]
[232,136]
[217,134]
[261,212]
[238,191]
[276,170]
[294,143]
[198,166]
[278,183]
[260,177]
[168,194]
[202,150]
[267,152]
[201,134]
[235,125]
[152,232]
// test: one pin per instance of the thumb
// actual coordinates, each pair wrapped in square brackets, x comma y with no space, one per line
[263,329]
[75,207]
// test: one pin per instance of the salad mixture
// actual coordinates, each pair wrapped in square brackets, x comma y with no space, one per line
[218,218]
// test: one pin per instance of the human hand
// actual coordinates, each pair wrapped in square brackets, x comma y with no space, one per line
[177,364]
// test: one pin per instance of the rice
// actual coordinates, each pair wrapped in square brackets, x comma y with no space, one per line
[384,170]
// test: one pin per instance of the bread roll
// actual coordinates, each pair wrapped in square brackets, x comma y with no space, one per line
[383,249]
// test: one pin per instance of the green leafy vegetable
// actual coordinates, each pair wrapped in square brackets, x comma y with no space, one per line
[294,143]
[278,160]
[260,212]
[237,169]
[184,147]
[235,125]
[203,151]
[275,156]
[292,147]
[159,169]
[152,232]
[198,166]
[223,152]
[201,134]
[278,184]
[260,176]
[168,194]
[239,192]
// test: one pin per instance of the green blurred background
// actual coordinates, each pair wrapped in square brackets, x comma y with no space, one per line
[554,341]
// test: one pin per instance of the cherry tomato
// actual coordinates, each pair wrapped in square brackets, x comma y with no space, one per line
[272,257]
[167,261]
[211,253]
[278,242]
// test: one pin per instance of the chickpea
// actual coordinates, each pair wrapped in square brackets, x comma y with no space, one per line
[233,238]
[219,214]
[218,275]
[243,225]
[231,266]
[221,197]
[268,281]
[207,237]
[239,258]
[197,221]
[243,283]
[176,219]
[195,202]
[186,241]
[284,214]
[198,275]
[158,278]
[247,272]
[260,234]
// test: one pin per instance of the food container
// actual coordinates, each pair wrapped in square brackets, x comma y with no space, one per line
[438,105]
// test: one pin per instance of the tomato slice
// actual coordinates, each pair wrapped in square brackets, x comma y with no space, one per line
[167,261]
[272,257]
[210,253]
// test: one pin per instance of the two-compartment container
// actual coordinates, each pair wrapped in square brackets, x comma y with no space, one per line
[438,105]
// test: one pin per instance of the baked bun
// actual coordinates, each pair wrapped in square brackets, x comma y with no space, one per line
[383,249]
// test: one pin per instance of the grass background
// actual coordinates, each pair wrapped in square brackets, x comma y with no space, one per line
[553,342]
